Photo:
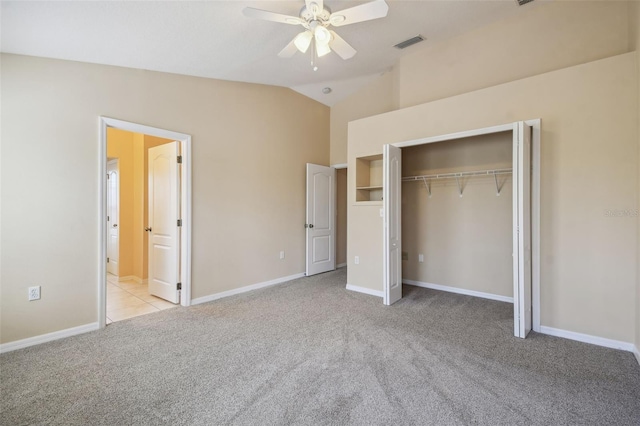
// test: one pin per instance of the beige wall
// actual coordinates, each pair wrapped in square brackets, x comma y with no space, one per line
[341,222]
[541,38]
[589,165]
[120,145]
[373,99]
[466,241]
[248,180]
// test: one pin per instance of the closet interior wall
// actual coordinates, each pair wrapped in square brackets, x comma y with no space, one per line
[466,241]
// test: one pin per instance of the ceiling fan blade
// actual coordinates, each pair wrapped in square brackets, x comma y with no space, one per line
[289,50]
[364,12]
[272,16]
[319,6]
[341,47]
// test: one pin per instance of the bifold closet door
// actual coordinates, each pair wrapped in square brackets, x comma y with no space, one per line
[522,229]
[391,195]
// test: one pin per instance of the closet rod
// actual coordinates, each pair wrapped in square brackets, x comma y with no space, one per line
[426,178]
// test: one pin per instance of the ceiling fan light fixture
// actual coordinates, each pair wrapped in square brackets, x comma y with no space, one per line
[322,35]
[322,48]
[303,41]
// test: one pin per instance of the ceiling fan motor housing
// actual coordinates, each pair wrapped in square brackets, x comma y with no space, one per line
[308,16]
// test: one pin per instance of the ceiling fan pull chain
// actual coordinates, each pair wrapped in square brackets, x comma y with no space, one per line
[313,57]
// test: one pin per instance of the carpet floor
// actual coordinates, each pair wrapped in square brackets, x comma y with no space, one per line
[311,352]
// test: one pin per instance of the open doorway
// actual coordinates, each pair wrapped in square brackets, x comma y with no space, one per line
[145,249]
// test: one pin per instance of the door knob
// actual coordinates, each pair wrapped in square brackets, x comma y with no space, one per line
[310,226]
[115,225]
[147,229]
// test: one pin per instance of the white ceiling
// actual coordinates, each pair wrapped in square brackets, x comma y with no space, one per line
[214,39]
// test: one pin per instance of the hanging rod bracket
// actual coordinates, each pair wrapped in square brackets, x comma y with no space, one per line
[426,184]
[459,187]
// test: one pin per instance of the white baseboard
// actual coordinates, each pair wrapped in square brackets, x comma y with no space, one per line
[460,291]
[342,265]
[636,352]
[244,289]
[587,338]
[365,290]
[36,340]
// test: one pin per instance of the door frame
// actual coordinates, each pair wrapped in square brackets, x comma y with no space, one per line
[185,206]
[535,125]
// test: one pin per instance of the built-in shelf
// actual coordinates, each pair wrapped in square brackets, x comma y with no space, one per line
[369,179]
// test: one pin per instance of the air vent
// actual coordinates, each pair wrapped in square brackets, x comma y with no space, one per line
[410,42]
[523,2]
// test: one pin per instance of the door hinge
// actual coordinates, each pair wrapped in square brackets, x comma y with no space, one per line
[107,260]
[179,222]
[108,176]
[179,159]
[179,286]
[107,218]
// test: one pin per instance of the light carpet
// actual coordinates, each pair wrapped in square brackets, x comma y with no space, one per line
[311,352]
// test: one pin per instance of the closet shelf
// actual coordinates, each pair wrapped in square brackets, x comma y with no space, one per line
[457,176]
[369,187]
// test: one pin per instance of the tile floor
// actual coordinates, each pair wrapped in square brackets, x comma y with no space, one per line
[128,299]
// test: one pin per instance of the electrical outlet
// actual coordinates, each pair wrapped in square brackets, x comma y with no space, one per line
[282,255]
[421,258]
[356,260]
[34,293]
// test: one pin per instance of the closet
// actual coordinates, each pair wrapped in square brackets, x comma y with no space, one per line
[458,216]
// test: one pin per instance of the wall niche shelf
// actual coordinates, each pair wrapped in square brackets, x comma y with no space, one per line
[369,179]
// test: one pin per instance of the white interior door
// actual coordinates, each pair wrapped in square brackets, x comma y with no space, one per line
[162,225]
[522,231]
[113,215]
[321,218]
[392,196]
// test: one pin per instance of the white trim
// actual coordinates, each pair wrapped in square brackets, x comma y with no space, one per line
[457,135]
[186,212]
[458,290]
[370,292]
[43,338]
[636,352]
[342,265]
[587,338]
[244,289]
[535,222]
[340,166]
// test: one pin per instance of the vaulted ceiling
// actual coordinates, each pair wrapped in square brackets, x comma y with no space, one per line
[214,39]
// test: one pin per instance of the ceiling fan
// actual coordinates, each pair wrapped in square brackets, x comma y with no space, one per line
[315,18]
